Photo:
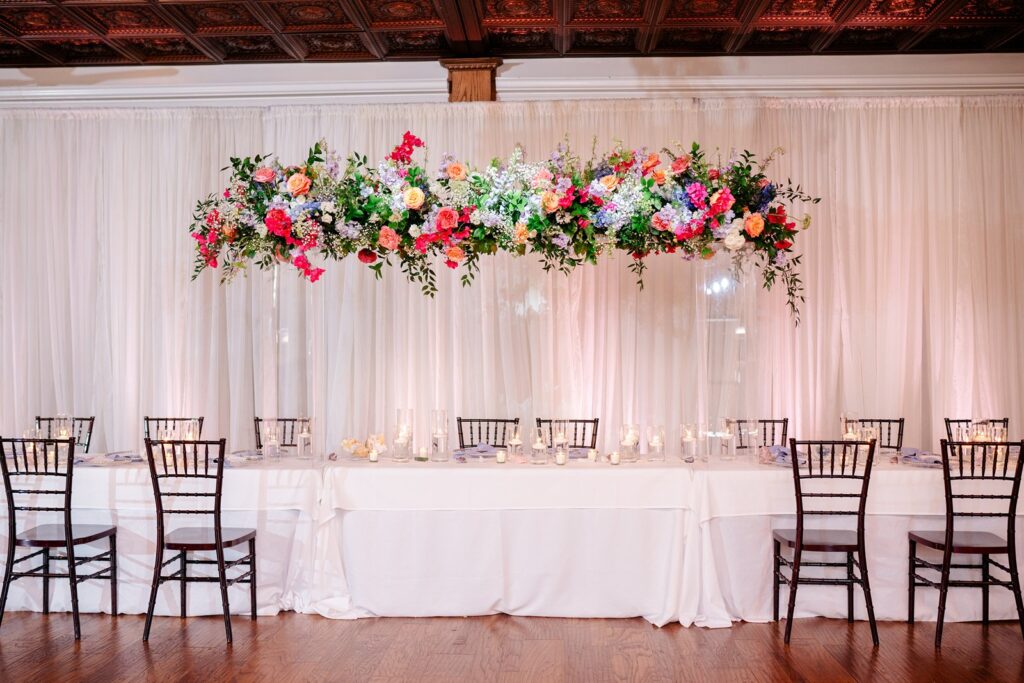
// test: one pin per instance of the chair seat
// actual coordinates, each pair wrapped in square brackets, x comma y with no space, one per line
[973,542]
[52,535]
[202,538]
[819,540]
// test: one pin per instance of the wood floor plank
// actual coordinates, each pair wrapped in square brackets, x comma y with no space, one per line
[292,648]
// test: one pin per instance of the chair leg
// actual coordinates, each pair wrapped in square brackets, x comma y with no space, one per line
[862,560]
[8,577]
[984,589]
[1014,585]
[222,576]
[252,578]
[912,579]
[776,550]
[184,581]
[849,588]
[113,574]
[46,581]
[794,581]
[153,588]
[947,558]
[73,578]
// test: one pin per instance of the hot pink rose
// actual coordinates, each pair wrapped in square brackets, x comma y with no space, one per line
[264,174]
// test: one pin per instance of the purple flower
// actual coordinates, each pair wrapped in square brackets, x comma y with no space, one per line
[561,240]
[780,259]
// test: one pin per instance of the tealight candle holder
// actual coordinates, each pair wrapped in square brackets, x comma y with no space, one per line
[592,455]
[561,457]
[614,458]
[500,457]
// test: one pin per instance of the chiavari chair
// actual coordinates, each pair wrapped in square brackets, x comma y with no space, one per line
[81,430]
[890,430]
[982,480]
[177,469]
[291,427]
[153,426]
[773,432]
[43,468]
[835,472]
[578,433]
[493,432]
[955,425]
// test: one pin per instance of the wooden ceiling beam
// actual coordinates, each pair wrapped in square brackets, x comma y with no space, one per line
[172,17]
[940,13]
[358,16]
[752,11]
[98,30]
[844,13]
[9,31]
[293,47]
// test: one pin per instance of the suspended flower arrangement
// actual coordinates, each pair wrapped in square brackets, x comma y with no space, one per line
[564,211]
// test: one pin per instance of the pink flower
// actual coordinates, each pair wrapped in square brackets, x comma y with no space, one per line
[698,194]
[455,254]
[388,239]
[447,219]
[264,174]
[299,184]
[367,256]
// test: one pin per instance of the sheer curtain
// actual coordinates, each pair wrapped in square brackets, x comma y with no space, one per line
[915,296]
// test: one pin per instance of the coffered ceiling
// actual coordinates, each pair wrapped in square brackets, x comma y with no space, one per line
[115,32]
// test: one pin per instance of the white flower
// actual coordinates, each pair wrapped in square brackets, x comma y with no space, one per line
[475,217]
[734,240]
[327,207]
[737,224]
[282,189]
[414,231]
[327,218]
[262,229]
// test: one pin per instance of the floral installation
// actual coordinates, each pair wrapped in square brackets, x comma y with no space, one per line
[567,212]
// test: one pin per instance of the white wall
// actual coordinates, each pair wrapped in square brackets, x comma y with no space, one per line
[540,79]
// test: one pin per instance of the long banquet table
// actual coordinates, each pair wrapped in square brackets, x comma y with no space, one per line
[666,541]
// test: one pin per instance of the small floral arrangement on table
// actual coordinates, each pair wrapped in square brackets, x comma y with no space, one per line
[363,449]
[565,211]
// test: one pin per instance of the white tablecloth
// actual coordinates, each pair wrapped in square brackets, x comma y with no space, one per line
[665,541]
[278,499]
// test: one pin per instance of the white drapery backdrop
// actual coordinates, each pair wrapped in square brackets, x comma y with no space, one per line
[915,294]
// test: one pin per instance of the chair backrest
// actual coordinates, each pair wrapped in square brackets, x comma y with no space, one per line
[773,432]
[997,466]
[890,430]
[831,471]
[151,426]
[193,470]
[953,424]
[81,429]
[37,468]
[493,432]
[579,433]
[290,428]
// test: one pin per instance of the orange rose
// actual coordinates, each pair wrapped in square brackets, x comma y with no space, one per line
[659,176]
[652,161]
[610,182]
[447,219]
[456,171]
[521,234]
[299,184]
[550,201]
[680,164]
[455,254]
[229,232]
[754,224]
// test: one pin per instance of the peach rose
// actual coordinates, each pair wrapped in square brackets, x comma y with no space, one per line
[456,171]
[550,201]
[264,174]
[659,176]
[522,233]
[388,239]
[447,219]
[230,232]
[753,224]
[680,164]
[610,182]
[455,254]
[413,198]
[299,184]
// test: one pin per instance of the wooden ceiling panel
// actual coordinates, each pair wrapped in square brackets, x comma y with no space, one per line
[72,32]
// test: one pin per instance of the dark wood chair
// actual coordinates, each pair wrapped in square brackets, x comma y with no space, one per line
[579,433]
[473,432]
[81,430]
[953,423]
[182,461]
[290,429]
[44,468]
[890,430]
[773,432]
[999,466]
[835,471]
[151,426]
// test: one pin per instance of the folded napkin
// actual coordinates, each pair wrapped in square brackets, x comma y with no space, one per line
[913,456]
[124,456]
[779,455]
[481,450]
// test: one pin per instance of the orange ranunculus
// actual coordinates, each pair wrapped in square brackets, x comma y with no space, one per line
[299,184]
[753,223]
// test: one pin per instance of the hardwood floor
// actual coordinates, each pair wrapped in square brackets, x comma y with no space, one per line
[292,647]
